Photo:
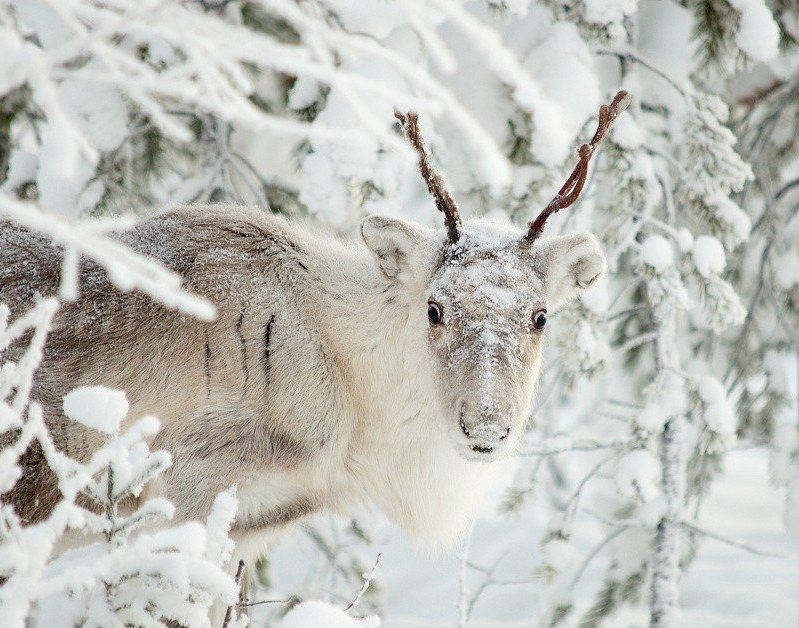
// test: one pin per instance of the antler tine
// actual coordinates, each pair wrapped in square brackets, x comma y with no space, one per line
[570,191]
[435,184]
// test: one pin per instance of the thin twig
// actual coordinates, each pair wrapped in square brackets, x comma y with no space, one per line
[598,548]
[572,504]
[367,580]
[229,611]
[634,58]
[552,448]
[731,542]
[248,604]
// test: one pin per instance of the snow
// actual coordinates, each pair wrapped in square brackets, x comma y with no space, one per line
[638,474]
[792,508]
[724,586]
[685,240]
[657,253]
[605,11]
[562,53]
[486,77]
[651,418]
[787,273]
[317,614]
[719,413]
[97,406]
[626,133]
[558,554]
[758,34]
[734,219]
[708,256]
[304,93]
[12,66]
[97,109]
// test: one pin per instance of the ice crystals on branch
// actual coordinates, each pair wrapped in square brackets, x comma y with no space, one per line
[711,169]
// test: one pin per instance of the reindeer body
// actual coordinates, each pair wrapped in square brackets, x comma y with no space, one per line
[321,384]
[311,390]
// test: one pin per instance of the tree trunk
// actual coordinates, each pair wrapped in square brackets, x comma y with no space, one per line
[666,569]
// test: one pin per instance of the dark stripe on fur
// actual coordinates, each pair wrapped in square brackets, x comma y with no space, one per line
[239,325]
[267,348]
[207,366]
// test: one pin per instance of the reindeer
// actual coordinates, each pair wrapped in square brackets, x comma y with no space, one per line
[389,371]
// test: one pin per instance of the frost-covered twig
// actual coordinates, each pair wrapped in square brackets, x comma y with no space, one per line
[367,581]
[634,343]
[468,603]
[126,268]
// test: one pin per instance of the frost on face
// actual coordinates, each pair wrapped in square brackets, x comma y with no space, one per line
[488,287]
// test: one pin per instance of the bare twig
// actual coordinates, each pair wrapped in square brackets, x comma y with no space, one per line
[559,445]
[229,611]
[593,554]
[573,503]
[367,580]
[435,184]
[728,541]
[570,190]
[634,58]
[248,604]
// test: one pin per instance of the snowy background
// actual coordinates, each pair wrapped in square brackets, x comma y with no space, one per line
[111,109]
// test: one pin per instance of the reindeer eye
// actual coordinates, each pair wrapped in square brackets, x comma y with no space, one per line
[434,312]
[540,319]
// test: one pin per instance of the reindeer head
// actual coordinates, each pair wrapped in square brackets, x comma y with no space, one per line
[481,307]
[480,295]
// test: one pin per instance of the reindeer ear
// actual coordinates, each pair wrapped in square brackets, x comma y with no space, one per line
[572,263]
[395,243]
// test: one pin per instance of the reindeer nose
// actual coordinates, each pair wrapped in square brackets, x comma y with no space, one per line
[465,430]
[485,435]
[485,426]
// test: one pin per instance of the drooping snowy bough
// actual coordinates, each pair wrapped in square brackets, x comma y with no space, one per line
[334,373]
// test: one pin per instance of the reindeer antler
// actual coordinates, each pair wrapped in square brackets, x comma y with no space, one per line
[435,184]
[574,184]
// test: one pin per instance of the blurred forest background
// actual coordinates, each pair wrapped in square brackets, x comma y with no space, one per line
[665,442]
